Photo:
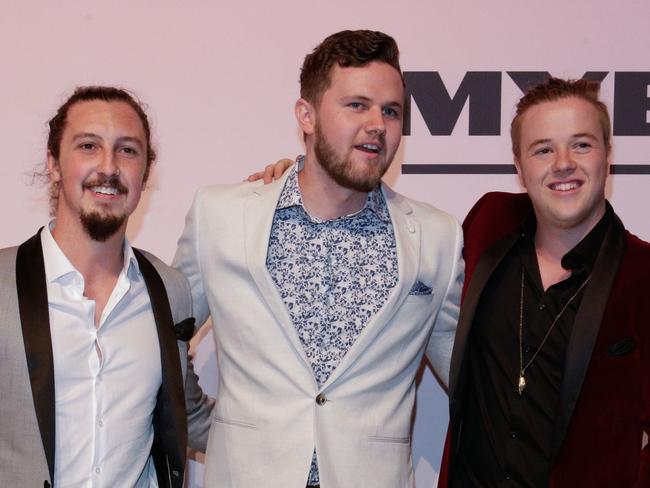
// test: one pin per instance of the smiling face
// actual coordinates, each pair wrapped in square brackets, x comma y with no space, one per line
[357,126]
[101,167]
[563,163]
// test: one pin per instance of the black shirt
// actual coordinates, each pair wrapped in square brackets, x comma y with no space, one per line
[506,437]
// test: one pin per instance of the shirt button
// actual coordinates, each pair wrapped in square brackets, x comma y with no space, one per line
[321,399]
[528,349]
[100,423]
[541,306]
[513,434]
[508,476]
[98,470]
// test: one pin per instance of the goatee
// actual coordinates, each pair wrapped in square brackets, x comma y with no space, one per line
[100,227]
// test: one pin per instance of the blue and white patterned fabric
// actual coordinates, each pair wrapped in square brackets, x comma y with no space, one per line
[333,276]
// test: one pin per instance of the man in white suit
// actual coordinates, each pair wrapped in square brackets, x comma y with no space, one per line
[325,288]
[93,365]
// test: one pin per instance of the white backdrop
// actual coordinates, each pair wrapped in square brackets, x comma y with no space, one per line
[221,79]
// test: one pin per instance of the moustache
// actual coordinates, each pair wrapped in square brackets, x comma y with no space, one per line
[112,181]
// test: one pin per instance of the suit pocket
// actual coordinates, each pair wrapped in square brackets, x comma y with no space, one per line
[419,299]
[622,347]
[236,423]
[389,439]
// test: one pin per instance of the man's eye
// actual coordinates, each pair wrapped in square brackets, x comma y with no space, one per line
[583,146]
[129,151]
[356,105]
[391,112]
[543,151]
[87,146]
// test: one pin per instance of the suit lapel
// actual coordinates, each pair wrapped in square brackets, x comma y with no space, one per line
[407,236]
[479,279]
[170,423]
[486,265]
[258,220]
[586,327]
[31,287]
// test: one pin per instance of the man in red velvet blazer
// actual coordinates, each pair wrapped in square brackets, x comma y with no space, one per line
[550,372]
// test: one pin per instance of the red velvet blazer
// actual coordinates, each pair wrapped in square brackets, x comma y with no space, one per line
[600,437]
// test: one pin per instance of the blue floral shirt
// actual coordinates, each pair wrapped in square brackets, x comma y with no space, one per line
[333,275]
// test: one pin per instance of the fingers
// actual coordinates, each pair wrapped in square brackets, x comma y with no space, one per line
[255,176]
[269,173]
[280,167]
[272,172]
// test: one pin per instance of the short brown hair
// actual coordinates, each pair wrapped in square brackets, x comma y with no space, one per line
[556,89]
[345,49]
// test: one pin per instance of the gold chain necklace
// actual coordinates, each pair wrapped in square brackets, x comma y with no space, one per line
[521,385]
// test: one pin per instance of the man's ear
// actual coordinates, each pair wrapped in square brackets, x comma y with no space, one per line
[610,156]
[306,116]
[53,168]
[517,162]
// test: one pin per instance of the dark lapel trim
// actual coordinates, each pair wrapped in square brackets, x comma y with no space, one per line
[170,423]
[586,327]
[458,370]
[35,321]
[484,269]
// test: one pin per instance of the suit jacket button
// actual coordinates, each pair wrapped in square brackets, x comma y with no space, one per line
[321,399]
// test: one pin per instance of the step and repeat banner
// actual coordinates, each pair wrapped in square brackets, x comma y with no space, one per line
[220,80]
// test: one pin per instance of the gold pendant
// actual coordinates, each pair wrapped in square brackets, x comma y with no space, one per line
[522,384]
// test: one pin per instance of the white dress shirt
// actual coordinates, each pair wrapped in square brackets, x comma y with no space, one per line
[106,378]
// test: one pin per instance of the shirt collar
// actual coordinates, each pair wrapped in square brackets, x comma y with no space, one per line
[583,255]
[291,197]
[59,268]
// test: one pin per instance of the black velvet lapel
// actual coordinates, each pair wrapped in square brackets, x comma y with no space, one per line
[586,327]
[170,423]
[35,321]
[479,279]
[484,269]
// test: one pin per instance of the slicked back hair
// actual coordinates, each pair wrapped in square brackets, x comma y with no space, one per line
[104,94]
[557,89]
[87,94]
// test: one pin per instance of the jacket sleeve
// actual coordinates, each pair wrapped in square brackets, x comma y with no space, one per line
[644,461]
[188,260]
[198,407]
[441,341]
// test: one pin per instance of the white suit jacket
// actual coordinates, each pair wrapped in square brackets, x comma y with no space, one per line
[270,412]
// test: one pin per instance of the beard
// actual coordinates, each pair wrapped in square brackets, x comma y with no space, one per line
[342,171]
[100,227]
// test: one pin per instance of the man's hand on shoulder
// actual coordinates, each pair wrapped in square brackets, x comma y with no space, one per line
[272,172]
